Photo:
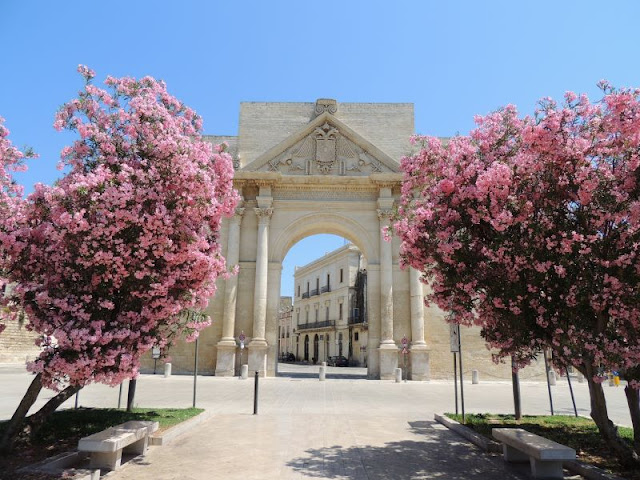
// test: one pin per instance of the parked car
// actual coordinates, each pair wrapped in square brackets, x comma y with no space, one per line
[338,361]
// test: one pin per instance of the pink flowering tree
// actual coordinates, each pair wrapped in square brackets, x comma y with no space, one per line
[11,201]
[110,257]
[530,228]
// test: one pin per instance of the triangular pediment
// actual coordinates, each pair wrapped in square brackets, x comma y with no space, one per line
[325,146]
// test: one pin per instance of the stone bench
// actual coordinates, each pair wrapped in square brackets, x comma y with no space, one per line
[106,447]
[544,455]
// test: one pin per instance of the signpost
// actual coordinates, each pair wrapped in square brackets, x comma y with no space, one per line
[405,353]
[155,354]
[241,338]
[456,348]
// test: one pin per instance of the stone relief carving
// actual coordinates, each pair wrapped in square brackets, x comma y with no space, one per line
[326,140]
[326,105]
[325,152]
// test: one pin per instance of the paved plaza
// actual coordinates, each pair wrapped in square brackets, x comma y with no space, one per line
[341,428]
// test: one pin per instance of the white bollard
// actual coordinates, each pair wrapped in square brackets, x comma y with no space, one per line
[244,372]
[324,364]
[552,377]
[167,370]
[322,373]
[475,377]
[580,377]
[398,375]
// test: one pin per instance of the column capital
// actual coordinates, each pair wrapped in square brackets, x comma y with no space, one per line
[263,214]
[237,217]
[385,214]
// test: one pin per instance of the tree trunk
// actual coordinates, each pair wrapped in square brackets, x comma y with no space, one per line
[515,381]
[633,400]
[608,430]
[131,394]
[35,421]
[15,424]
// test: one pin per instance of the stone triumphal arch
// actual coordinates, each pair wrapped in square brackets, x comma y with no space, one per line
[303,169]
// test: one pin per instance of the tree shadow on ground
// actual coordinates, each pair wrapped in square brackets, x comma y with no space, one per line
[436,453]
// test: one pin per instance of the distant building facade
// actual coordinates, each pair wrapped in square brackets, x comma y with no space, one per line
[285,327]
[329,310]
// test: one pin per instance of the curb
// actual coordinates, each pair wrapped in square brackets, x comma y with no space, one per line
[169,435]
[590,472]
[481,441]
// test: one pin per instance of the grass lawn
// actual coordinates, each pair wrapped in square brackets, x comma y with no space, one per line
[579,433]
[65,427]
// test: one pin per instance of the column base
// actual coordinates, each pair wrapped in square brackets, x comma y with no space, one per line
[388,360]
[420,368]
[258,357]
[226,358]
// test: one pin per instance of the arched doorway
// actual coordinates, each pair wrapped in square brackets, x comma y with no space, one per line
[316,348]
[306,348]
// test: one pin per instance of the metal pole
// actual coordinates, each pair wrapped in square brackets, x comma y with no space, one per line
[546,373]
[455,380]
[573,399]
[195,374]
[77,393]
[155,362]
[255,395]
[120,396]
[461,385]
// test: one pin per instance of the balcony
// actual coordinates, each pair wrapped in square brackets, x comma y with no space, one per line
[356,319]
[305,295]
[314,325]
[325,289]
[314,292]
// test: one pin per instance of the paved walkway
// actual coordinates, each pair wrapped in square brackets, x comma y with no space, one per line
[339,429]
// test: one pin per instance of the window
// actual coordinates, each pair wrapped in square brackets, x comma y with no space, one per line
[316,314]
[318,285]
[298,318]
[327,314]
[328,279]
[355,336]
[307,288]
[307,317]
[341,275]
[298,291]
[340,312]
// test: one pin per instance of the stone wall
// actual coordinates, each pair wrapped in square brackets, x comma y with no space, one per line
[17,344]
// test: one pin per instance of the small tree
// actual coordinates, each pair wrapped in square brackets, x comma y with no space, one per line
[106,260]
[530,228]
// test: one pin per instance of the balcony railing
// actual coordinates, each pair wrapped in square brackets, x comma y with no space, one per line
[356,319]
[325,289]
[305,295]
[314,292]
[323,324]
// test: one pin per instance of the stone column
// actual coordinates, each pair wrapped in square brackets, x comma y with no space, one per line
[419,350]
[388,349]
[258,344]
[226,347]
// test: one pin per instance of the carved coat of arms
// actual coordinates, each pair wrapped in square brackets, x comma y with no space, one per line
[326,137]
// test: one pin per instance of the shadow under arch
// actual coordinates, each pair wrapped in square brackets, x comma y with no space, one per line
[319,223]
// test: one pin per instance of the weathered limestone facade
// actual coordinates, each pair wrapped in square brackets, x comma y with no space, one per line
[286,327]
[323,167]
[17,344]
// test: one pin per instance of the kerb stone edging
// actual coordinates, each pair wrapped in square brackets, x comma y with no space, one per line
[479,440]
[167,436]
[588,471]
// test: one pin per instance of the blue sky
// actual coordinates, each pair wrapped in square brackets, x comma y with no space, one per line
[452,59]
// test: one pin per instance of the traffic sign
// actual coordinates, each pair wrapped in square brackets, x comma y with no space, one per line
[405,341]
[242,337]
[454,331]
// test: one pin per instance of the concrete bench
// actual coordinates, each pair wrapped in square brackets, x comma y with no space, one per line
[544,455]
[106,447]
